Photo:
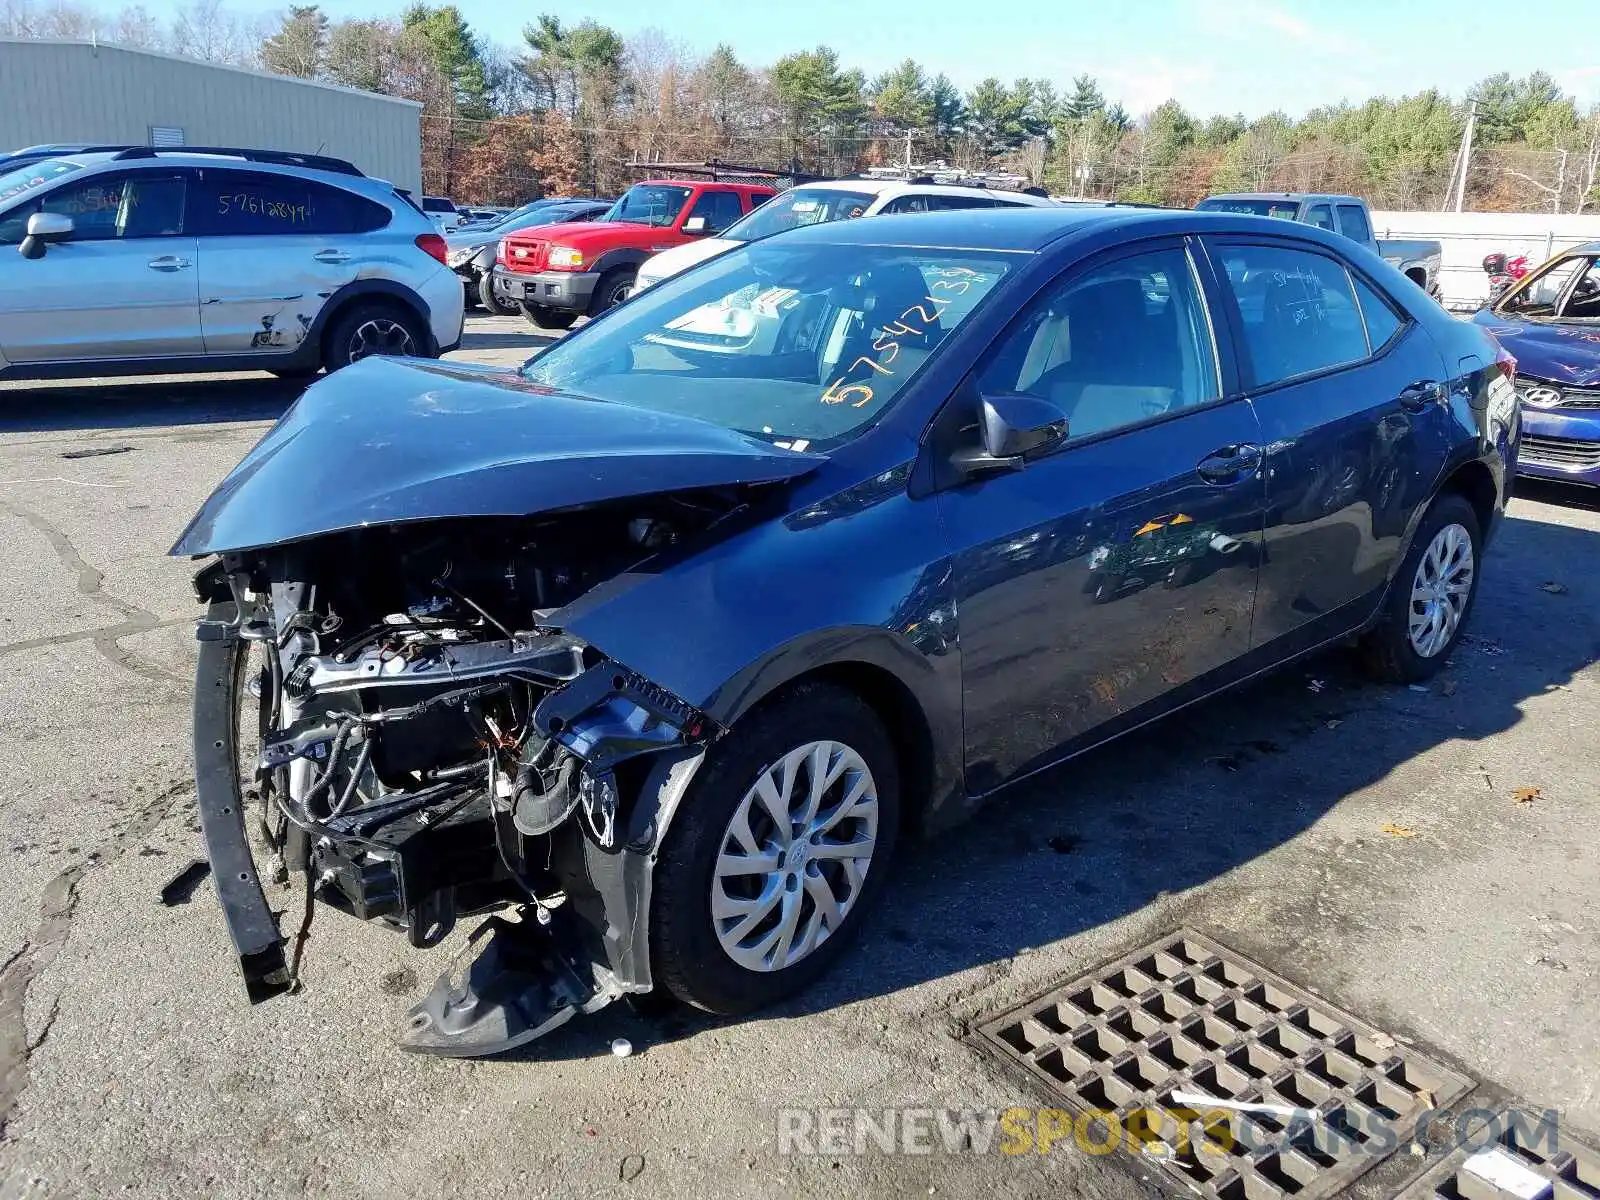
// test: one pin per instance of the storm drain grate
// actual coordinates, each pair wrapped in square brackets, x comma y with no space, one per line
[1516,1155]
[1186,1018]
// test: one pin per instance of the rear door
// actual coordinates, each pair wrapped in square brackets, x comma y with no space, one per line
[1350,393]
[272,249]
[1106,574]
[123,286]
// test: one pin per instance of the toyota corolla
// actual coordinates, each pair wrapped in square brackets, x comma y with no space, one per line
[650,653]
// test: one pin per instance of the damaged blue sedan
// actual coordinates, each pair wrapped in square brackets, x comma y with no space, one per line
[648,654]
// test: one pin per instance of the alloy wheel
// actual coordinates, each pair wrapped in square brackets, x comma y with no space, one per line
[795,856]
[1440,590]
[381,335]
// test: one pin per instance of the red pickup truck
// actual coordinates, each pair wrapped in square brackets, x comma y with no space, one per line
[554,273]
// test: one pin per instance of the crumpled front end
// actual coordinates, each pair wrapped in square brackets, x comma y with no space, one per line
[391,716]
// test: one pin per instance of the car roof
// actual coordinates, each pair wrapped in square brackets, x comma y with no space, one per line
[379,189]
[1028,230]
[1295,197]
[901,187]
[709,183]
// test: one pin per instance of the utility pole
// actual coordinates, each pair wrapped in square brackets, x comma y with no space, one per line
[1561,181]
[1465,162]
[908,153]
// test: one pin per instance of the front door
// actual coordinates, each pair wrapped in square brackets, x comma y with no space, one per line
[1101,576]
[121,286]
[1351,396]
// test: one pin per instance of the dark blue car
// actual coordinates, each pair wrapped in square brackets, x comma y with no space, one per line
[665,639]
[1550,323]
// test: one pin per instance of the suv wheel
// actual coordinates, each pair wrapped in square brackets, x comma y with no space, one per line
[612,289]
[369,330]
[541,317]
[779,852]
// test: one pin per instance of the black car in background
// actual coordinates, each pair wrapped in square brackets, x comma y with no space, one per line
[663,640]
[471,248]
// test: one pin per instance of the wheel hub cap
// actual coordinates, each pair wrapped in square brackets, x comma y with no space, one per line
[795,856]
[380,336]
[1440,589]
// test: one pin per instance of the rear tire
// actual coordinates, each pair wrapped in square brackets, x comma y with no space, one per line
[612,290]
[1431,597]
[703,914]
[372,330]
[541,317]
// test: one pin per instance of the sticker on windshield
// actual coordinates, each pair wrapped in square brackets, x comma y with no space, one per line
[860,394]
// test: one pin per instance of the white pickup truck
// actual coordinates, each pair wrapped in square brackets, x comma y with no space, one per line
[1418,260]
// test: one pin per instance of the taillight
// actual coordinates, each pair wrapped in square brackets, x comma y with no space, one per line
[433,246]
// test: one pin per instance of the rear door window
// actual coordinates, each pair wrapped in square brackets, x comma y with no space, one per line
[1353,223]
[1321,216]
[1297,308]
[248,203]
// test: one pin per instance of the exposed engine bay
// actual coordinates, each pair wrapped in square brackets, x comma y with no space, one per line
[430,747]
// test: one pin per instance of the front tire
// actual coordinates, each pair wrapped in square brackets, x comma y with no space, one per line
[541,317]
[1431,597]
[483,290]
[612,290]
[781,847]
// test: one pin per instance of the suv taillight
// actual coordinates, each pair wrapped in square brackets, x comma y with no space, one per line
[432,245]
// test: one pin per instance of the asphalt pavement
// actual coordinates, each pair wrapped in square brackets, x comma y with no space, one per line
[1425,859]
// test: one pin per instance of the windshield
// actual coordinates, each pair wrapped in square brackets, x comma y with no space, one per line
[34,175]
[801,344]
[648,204]
[1540,294]
[802,206]
[1282,209]
[546,215]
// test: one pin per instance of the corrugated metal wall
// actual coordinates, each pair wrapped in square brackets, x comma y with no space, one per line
[74,92]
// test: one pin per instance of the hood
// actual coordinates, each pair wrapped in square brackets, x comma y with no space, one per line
[579,233]
[1567,354]
[681,258]
[472,237]
[389,440]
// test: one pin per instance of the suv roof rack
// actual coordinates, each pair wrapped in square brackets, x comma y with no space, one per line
[282,158]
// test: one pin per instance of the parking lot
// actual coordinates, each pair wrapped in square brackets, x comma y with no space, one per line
[1424,858]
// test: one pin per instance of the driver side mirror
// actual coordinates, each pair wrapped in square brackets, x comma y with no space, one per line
[44,228]
[695,226]
[1011,426]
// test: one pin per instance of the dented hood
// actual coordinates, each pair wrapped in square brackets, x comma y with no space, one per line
[389,440]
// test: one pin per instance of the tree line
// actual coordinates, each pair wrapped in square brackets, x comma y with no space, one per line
[577,107]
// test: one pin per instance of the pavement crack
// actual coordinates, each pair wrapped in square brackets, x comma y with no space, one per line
[57,906]
[90,581]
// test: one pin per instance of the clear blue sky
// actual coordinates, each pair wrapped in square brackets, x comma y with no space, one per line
[1213,55]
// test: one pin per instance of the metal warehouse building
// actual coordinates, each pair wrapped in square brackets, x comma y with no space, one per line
[61,91]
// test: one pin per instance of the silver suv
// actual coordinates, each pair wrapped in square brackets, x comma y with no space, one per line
[145,261]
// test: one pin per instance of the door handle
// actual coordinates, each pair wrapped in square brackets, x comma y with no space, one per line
[1230,464]
[168,262]
[331,256]
[1417,396]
